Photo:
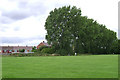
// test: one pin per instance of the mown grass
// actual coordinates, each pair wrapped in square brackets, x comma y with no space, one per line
[91,66]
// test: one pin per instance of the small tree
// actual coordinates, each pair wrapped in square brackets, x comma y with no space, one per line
[21,50]
[34,49]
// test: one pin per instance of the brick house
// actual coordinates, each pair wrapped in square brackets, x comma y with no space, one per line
[43,44]
[10,49]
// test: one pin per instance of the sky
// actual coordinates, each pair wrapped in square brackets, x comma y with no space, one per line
[22,21]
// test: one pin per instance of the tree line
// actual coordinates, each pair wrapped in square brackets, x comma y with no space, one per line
[69,32]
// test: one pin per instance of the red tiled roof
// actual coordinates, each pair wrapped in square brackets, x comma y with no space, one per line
[43,44]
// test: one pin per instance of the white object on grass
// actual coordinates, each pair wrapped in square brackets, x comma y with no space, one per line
[75,54]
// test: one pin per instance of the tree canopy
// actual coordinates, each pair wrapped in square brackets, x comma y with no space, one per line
[69,32]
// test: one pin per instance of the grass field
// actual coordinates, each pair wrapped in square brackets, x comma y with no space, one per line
[91,66]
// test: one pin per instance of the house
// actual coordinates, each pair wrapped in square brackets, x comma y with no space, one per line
[43,44]
[14,49]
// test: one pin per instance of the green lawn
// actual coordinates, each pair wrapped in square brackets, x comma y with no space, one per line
[91,66]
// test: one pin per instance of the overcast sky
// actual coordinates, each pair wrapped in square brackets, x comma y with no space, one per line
[22,21]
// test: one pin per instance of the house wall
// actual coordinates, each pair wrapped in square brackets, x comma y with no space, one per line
[10,49]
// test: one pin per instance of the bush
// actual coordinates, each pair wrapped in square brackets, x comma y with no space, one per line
[42,47]
[34,49]
[22,54]
[47,50]
[18,54]
[21,50]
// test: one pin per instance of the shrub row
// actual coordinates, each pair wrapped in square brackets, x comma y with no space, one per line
[32,54]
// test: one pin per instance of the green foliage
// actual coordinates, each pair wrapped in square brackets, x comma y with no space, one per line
[34,49]
[18,54]
[47,50]
[21,50]
[24,54]
[62,52]
[69,32]
[59,27]
[42,47]
[115,48]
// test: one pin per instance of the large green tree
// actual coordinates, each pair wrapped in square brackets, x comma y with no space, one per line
[59,25]
[69,32]
[115,48]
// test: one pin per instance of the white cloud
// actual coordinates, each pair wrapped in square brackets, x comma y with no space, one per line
[26,18]
[7,5]
[28,27]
